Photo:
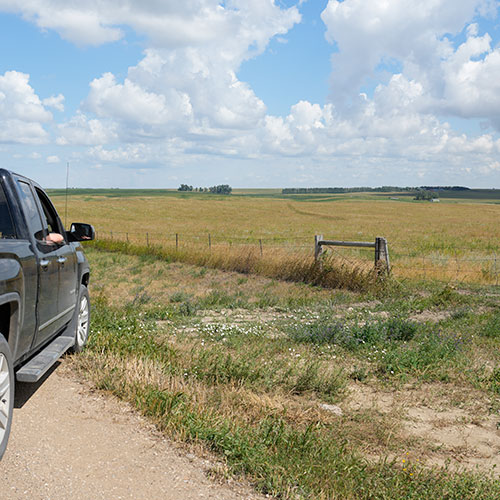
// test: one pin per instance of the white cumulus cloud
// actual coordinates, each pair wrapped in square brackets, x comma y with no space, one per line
[56,102]
[417,38]
[371,34]
[168,23]
[186,84]
[22,114]
[84,131]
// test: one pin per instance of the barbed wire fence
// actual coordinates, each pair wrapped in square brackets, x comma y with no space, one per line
[463,265]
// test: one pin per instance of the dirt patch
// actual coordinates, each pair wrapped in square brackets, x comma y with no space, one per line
[440,426]
[456,435]
[363,397]
[242,316]
[431,316]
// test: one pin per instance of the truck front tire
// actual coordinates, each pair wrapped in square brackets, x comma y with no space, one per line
[7,383]
[81,320]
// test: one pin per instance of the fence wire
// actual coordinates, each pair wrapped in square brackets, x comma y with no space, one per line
[480,268]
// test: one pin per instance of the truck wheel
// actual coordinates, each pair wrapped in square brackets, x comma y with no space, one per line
[81,320]
[6,393]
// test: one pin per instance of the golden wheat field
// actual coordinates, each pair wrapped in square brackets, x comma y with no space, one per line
[452,240]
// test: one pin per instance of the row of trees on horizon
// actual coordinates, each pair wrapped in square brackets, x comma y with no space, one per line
[220,189]
[382,189]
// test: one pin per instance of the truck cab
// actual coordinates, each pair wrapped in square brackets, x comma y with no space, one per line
[44,277]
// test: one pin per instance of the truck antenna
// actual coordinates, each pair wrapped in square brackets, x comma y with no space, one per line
[66,206]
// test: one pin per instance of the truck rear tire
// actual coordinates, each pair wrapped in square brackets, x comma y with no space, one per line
[82,320]
[7,384]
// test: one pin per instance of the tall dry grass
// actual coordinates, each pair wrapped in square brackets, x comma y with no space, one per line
[329,272]
[409,227]
[451,241]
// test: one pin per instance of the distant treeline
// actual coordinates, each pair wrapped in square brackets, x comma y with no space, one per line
[339,190]
[383,189]
[445,188]
[220,189]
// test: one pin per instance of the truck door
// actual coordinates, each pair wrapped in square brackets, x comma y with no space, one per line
[66,259]
[48,266]
[15,242]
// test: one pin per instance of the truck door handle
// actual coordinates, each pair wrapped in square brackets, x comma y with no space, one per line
[62,260]
[44,264]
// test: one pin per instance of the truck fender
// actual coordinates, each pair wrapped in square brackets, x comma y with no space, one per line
[10,270]
[83,268]
[14,299]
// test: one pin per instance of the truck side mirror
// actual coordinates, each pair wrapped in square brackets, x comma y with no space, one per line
[80,231]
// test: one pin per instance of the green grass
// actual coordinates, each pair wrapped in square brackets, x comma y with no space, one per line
[243,365]
[355,336]
[283,456]
[395,346]
[491,327]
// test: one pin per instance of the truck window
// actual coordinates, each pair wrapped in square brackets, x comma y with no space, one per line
[6,225]
[49,217]
[31,211]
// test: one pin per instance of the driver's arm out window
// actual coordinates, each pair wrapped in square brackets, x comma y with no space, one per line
[50,219]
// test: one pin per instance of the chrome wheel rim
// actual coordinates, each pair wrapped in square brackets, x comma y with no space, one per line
[83,322]
[4,395]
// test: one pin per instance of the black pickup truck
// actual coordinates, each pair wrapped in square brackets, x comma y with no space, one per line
[44,277]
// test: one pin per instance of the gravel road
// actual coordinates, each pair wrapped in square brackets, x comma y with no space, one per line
[70,443]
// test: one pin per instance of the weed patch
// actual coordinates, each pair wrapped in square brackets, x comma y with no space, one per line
[179,296]
[355,335]
[427,355]
[395,346]
[491,328]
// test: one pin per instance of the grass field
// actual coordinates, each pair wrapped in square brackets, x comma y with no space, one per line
[454,240]
[306,392]
[360,388]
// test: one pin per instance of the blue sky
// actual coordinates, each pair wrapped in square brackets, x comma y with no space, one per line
[295,66]
[254,94]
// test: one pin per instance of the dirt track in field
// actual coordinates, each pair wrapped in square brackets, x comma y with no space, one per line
[68,442]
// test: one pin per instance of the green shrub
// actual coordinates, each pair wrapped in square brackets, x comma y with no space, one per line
[491,328]
[179,296]
[431,348]
[352,337]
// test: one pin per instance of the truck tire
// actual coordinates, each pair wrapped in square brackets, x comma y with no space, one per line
[81,322]
[7,383]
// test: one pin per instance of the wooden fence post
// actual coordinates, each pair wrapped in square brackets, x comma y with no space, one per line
[261,251]
[147,239]
[127,237]
[318,249]
[111,232]
[176,241]
[382,253]
[209,242]
[496,271]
